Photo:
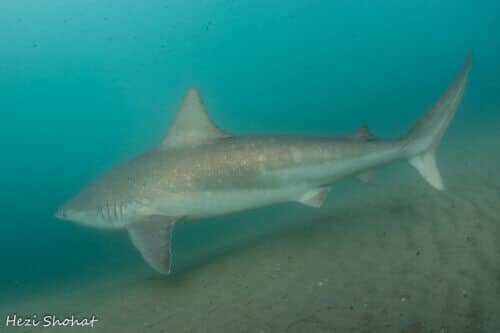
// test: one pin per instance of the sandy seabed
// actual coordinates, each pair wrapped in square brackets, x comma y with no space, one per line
[392,256]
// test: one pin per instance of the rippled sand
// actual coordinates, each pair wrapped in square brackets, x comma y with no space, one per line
[393,256]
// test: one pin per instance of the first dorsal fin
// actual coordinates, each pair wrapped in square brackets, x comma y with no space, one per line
[192,125]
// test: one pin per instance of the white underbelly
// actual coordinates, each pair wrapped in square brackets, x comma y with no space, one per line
[288,184]
[216,203]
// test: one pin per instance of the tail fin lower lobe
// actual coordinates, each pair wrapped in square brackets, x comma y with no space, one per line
[423,139]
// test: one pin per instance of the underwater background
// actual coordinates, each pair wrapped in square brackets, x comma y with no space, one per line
[86,85]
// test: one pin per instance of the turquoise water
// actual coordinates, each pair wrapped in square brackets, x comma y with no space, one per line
[86,85]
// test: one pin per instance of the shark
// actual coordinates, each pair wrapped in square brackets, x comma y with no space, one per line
[200,171]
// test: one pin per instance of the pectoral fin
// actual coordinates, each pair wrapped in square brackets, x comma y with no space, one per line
[316,197]
[152,236]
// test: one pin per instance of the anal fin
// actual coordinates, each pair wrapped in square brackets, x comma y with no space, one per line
[316,197]
[152,236]
[366,177]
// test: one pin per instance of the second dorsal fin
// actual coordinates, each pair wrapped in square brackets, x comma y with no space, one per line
[363,133]
[192,125]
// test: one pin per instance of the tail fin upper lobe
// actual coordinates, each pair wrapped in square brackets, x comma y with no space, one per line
[424,138]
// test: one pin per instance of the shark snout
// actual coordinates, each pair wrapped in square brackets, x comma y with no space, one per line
[65,212]
[72,212]
[69,211]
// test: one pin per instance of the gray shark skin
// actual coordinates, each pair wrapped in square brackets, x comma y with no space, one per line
[199,171]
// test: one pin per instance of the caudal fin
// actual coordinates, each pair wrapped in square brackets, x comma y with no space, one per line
[423,139]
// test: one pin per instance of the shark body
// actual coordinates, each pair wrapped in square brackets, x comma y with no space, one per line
[199,171]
